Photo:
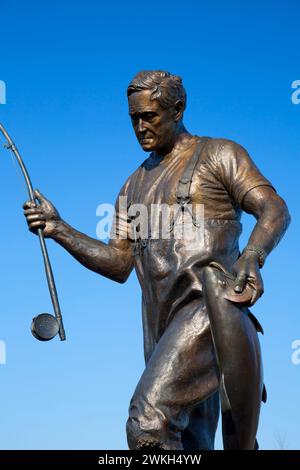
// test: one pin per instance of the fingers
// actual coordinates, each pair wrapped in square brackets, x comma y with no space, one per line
[34,226]
[40,214]
[35,216]
[256,283]
[258,291]
[39,196]
[29,205]
[33,210]
[256,295]
[240,282]
[35,221]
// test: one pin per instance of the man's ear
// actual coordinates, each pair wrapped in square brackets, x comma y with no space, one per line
[179,108]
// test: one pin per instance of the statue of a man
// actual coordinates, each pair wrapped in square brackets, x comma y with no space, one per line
[176,402]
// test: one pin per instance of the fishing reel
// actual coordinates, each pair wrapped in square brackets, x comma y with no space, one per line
[44,327]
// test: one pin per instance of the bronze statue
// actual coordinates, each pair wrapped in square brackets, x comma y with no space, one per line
[200,339]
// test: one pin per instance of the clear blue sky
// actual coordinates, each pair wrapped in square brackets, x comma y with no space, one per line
[66,66]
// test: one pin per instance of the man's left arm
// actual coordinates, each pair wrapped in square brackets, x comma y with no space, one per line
[273,219]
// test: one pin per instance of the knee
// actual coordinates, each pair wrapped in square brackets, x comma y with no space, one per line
[143,432]
[138,438]
[132,433]
[147,428]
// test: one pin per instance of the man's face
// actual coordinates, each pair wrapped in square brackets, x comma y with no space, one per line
[154,126]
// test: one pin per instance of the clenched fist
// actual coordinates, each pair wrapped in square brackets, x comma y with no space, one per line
[43,216]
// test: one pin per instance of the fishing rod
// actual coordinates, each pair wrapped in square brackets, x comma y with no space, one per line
[44,326]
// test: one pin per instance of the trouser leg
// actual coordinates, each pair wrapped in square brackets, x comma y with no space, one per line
[203,422]
[179,375]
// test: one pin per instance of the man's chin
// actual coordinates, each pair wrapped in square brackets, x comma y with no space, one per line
[148,146]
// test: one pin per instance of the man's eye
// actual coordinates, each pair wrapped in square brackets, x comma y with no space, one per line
[150,117]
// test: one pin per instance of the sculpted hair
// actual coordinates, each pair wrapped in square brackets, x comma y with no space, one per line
[165,87]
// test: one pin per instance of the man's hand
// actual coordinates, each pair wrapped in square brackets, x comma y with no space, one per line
[247,270]
[43,216]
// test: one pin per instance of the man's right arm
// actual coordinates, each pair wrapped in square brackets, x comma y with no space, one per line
[113,260]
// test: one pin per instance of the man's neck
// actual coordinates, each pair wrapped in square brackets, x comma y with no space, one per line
[182,139]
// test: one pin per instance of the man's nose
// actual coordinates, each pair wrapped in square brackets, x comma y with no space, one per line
[141,126]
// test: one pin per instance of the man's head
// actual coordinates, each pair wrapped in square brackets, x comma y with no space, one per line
[156,101]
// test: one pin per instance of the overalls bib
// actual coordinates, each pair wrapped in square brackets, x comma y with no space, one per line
[176,402]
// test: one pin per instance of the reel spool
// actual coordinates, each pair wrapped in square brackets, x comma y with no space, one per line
[44,327]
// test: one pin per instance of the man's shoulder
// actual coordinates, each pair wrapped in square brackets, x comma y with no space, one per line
[220,146]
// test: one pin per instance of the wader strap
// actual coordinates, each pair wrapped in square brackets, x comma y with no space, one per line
[184,184]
